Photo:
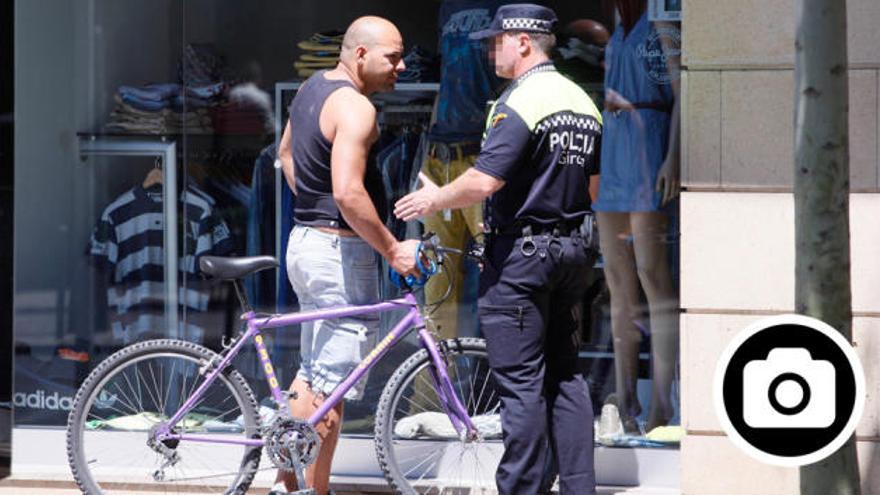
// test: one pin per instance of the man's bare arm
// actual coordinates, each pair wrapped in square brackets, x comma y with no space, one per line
[285,154]
[355,132]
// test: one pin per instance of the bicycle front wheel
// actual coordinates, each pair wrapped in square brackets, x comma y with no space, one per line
[143,385]
[417,446]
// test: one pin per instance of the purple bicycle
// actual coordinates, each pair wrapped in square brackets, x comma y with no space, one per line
[177,413]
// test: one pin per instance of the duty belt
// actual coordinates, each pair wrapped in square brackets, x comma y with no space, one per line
[529,229]
[579,231]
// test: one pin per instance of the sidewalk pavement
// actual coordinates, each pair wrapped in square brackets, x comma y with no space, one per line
[37,470]
[12,488]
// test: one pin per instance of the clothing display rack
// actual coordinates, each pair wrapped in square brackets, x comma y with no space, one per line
[164,149]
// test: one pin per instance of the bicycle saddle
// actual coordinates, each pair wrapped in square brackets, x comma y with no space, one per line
[226,268]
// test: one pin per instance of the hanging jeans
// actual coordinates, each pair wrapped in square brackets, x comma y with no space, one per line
[457,316]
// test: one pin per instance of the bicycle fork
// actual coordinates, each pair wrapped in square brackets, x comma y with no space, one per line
[449,400]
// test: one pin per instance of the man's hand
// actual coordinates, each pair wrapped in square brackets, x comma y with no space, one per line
[668,181]
[418,203]
[402,258]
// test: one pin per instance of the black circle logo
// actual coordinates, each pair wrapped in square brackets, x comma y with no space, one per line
[789,390]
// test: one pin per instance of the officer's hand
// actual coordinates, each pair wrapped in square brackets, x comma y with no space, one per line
[402,258]
[668,181]
[418,203]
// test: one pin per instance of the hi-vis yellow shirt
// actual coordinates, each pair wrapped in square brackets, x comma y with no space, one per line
[542,138]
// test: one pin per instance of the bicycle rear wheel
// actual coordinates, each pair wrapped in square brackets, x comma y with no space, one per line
[416,444]
[142,385]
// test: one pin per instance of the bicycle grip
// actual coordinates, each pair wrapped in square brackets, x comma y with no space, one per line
[408,282]
[425,269]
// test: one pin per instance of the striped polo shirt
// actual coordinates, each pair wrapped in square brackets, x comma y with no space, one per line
[128,242]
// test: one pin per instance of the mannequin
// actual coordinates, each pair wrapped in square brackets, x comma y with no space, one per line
[639,177]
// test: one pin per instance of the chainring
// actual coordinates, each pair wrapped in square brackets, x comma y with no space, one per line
[288,435]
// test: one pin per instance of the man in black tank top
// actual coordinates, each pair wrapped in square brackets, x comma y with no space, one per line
[331,258]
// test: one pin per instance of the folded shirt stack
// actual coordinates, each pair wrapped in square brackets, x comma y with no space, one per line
[320,51]
[166,108]
[128,119]
[154,97]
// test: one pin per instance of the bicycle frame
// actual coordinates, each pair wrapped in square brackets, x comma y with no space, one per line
[413,319]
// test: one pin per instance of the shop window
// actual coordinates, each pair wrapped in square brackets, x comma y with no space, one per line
[93,269]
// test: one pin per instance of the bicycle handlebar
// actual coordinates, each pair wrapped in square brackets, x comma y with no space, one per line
[429,256]
[426,266]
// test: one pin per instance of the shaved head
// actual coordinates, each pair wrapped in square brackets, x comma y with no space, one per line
[369,31]
[372,53]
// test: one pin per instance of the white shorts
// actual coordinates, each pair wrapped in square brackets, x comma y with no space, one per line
[327,271]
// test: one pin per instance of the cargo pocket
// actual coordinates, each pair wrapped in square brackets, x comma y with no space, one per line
[503,328]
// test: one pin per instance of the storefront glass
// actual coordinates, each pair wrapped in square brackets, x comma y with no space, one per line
[120,102]
[6,174]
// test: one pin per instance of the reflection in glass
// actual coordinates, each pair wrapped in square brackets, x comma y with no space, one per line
[636,213]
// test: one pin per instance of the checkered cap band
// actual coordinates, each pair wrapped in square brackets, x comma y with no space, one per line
[526,24]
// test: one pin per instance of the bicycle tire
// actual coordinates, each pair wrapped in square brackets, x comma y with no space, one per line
[407,472]
[87,430]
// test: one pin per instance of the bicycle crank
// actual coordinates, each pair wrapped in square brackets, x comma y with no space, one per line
[291,444]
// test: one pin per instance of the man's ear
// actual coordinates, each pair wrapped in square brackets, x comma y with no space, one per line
[523,43]
[360,53]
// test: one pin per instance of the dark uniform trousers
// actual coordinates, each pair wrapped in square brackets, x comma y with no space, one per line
[529,295]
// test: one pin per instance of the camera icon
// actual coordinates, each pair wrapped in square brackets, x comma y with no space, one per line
[789,390]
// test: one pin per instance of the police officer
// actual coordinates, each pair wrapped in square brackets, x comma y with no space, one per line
[538,156]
